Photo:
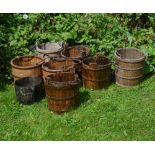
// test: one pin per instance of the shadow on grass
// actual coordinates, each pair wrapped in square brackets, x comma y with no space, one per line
[2,85]
[148,76]
[83,97]
[113,79]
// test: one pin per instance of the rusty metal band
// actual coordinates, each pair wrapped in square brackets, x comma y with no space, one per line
[125,86]
[129,69]
[60,98]
[96,69]
[93,80]
[24,76]
[129,78]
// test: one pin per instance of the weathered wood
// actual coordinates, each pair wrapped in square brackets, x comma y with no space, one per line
[78,52]
[57,65]
[129,66]
[26,66]
[96,72]
[62,90]
[50,49]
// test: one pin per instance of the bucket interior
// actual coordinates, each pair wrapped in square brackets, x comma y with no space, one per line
[62,77]
[76,62]
[50,46]
[58,65]
[28,81]
[98,61]
[129,54]
[78,51]
[27,61]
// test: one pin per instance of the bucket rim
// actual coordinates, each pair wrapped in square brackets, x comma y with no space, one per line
[26,67]
[38,81]
[85,66]
[44,51]
[130,60]
[60,84]
[56,70]
[78,57]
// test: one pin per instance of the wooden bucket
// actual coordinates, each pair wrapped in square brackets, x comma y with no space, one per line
[96,72]
[29,90]
[57,65]
[62,90]
[50,49]
[77,54]
[26,66]
[129,66]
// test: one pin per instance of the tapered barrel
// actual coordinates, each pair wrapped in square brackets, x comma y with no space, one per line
[96,72]
[26,66]
[62,89]
[77,54]
[57,65]
[129,66]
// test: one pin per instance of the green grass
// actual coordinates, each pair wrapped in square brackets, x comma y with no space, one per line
[115,114]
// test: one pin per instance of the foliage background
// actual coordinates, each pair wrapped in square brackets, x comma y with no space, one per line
[101,32]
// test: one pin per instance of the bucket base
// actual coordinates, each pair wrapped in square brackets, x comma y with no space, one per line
[61,107]
[125,86]
[96,85]
[128,83]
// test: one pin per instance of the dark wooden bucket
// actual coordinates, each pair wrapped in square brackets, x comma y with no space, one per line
[26,66]
[77,54]
[129,66]
[96,72]
[62,90]
[29,90]
[57,65]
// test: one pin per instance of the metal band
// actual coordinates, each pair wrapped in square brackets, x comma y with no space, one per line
[130,69]
[26,67]
[24,76]
[94,79]
[59,99]
[129,78]
[125,86]
[117,56]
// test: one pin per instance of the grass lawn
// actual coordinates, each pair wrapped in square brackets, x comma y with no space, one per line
[114,114]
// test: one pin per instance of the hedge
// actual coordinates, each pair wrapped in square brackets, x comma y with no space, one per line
[101,32]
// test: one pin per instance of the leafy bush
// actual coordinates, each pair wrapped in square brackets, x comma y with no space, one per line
[101,32]
[4,52]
